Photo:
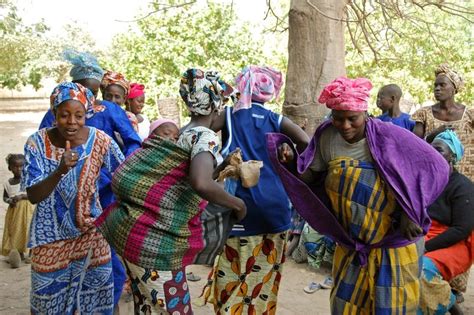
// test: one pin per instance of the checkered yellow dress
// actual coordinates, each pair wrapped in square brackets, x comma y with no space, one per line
[364,205]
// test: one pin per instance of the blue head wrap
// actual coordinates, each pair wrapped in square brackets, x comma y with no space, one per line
[85,66]
[451,139]
[71,91]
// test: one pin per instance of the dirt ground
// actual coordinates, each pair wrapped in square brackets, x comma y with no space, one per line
[15,283]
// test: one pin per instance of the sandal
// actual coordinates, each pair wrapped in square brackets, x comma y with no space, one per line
[312,287]
[327,284]
[192,277]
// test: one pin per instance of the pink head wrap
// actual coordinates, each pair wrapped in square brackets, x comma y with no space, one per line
[160,122]
[136,90]
[346,94]
[259,84]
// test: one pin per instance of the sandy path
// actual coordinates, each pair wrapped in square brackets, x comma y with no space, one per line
[15,283]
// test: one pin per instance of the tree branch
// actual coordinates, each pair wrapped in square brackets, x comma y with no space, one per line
[365,32]
[280,22]
[448,7]
[354,42]
[166,7]
[370,30]
[327,16]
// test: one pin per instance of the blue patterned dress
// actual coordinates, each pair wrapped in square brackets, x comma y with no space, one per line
[71,263]
[111,119]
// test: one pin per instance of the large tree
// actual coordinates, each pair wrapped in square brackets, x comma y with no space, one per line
[387,41]
[316,52]
[315,57]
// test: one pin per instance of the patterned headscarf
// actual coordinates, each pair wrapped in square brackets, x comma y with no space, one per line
[72,91]
[259,84]
[347,94]
[203,91]
[451,139]
[112,77]
[455,78]
[85,65]
[136,90]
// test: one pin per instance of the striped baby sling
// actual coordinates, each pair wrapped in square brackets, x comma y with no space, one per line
[156,220]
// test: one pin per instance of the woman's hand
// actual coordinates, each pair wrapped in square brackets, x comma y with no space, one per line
[201,181]
[68,160]
[408,228]
[229,156]
[41,190]
[240,209]
[437,131]
[227,161]
[285,154]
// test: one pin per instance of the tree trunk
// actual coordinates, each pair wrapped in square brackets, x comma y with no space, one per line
[315,57]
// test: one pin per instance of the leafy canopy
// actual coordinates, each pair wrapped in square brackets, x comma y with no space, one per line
[410,48]
[17,53]
[169,42]
[29,53]
[401,46]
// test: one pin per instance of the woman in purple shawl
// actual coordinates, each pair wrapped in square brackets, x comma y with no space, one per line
[366,185]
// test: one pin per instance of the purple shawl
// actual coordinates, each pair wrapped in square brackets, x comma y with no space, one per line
[415,172]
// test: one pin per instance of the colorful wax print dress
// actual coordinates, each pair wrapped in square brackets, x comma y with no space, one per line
[155,224]
[71,267]
[246,276]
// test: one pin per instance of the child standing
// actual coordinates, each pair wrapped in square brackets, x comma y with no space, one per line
[19,213]
[388,100]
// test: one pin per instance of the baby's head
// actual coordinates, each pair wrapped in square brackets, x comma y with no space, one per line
[165,128]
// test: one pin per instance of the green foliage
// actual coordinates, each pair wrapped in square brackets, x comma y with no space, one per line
[164,44]
[169,42]
[17,55]
[29,53]
[410,49]
[402,42]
